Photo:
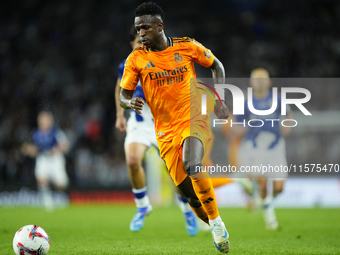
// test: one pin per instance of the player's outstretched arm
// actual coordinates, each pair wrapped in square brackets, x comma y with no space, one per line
[120,119]
[127,102]
[218,74]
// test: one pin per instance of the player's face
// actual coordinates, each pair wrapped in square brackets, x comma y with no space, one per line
[149,29]
[259,80]
[45,121]
[136,43]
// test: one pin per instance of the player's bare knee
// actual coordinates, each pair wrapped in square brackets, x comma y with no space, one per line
[186,162]
[278,187]
[263,191]
[192,153]
[191,163]
[60,187]
[278,190]
[133,163]
[43,182]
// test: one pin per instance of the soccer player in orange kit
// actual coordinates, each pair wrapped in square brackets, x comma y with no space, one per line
[140,136]
[165,67]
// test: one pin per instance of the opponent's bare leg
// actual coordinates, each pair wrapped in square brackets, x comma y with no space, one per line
[134,153]
[278,187]
[45,193]
[268,202]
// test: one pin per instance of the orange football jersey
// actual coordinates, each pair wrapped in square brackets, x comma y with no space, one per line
[165,77]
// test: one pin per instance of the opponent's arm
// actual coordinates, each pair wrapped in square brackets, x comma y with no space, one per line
[218,74]
[30,150]
[128,85]
[63,142]
[285,131]
[63,147]
[127,102]
[120,119]
[238,131]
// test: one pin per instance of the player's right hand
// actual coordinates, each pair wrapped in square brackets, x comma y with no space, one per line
[136,104]
[121,124]
[221,111]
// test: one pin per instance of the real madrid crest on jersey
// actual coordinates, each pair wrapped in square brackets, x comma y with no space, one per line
[207,54]
[178,58]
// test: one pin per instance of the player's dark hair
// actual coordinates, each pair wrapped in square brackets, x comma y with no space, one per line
[149,8]
[133,33]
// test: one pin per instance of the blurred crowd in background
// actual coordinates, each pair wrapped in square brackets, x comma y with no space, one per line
[63,56]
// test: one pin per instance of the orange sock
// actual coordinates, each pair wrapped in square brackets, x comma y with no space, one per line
[217,182]
[200,213]
[205,193]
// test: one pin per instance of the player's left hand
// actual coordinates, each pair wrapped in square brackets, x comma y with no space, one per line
[221,111]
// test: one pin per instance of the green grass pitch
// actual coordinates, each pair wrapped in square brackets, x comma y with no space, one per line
[105,230]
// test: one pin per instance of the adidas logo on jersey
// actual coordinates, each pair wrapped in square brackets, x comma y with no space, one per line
[149,65]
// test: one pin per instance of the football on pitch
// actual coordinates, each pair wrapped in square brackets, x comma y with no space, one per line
[31,239]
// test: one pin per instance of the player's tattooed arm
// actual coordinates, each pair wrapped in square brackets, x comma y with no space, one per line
[127,102]
[218,74]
